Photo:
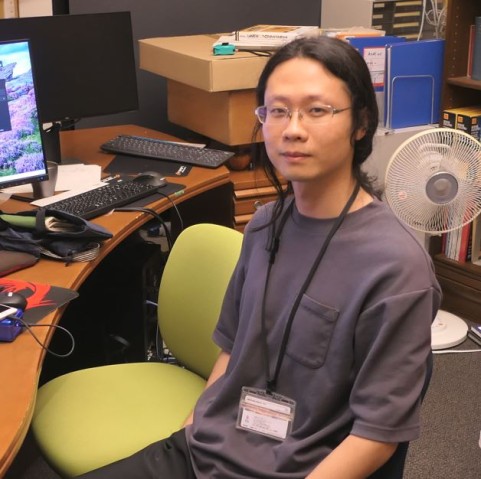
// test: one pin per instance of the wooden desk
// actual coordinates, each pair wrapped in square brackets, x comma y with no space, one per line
[21,361]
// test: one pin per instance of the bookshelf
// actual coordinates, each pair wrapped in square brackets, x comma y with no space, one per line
[461,282]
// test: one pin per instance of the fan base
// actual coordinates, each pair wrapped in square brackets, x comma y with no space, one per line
[447,331]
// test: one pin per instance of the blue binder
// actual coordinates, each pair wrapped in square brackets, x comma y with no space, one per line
[373,50]
[413,83]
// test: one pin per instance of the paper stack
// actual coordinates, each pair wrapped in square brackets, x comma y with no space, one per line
[266,37]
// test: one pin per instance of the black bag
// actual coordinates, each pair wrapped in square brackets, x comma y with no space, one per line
[51,233]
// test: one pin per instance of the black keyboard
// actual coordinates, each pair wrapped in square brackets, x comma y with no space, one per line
[166,150]
[103,199]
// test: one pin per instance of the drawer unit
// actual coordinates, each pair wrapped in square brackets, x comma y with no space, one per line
[251,190]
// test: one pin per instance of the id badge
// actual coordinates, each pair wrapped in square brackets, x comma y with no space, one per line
[267,414]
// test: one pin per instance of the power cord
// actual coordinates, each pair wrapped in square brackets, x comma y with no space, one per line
[455,351]
[29,327]
[162,353]
[470,336]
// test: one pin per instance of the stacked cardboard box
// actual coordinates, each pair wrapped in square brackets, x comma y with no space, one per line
[466,119]
[210,94]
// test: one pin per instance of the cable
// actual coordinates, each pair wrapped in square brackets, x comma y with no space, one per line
[421,26]
[470,336]
[436,16]
[29,327]
[454,351]
[156,216]
[259,53]
[181,222]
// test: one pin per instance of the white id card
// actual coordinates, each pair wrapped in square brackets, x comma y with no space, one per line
[271,415]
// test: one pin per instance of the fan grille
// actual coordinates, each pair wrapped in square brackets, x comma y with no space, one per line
[433,180]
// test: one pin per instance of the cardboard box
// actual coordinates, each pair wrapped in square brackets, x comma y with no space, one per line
[449,117]
[466,118]
[190,60]
[225,116]
[469,122]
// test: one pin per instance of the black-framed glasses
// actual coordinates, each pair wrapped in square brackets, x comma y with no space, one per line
[278,115]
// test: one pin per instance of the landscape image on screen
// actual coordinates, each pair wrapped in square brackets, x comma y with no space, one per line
[21,154]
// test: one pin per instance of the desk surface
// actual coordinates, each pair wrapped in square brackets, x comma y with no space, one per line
[21,361]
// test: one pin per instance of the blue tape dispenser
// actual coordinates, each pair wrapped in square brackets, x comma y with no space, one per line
[224,49]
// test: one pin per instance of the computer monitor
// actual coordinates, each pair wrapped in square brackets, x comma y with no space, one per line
[22,157]
[84,65]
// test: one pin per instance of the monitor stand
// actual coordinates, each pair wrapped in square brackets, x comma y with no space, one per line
[51,142]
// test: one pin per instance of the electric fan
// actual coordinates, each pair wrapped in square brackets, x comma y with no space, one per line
[433,184]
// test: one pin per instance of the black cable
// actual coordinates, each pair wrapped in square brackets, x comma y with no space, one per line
[259,53]
[29,327]
[181,222]
[155,215]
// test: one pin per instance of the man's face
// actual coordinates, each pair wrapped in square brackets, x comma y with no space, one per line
[306,148]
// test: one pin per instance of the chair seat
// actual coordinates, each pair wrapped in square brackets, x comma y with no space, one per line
[70,407]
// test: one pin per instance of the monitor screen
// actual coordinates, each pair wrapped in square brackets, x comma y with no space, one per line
[22,158]
[84,63]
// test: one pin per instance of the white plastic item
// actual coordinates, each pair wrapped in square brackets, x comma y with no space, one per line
[447,331]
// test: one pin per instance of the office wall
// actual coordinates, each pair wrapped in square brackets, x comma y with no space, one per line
[153,18]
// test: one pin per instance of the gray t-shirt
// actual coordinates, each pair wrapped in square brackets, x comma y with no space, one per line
[356,356]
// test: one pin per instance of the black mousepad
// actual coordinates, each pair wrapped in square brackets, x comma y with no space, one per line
[133,165]
[174,189]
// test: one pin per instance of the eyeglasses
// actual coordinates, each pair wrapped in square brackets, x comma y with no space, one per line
[277,115]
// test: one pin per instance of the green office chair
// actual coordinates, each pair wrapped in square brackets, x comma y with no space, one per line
[88,418]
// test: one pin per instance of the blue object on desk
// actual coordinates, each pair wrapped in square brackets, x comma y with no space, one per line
[224,49]
[11,327]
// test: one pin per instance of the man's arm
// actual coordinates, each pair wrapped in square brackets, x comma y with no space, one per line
[218,370]
[354,458]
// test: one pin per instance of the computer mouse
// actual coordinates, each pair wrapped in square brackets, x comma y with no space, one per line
[151,178]
[15,300]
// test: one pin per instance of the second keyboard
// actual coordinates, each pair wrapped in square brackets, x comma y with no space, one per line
[166,150]
[101,200]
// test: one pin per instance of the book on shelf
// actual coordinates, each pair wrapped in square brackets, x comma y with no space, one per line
[476,61]
[476,241]
[464,243]
[469,68]
[457,244]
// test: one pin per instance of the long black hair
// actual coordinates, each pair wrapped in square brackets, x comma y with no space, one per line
[344,62]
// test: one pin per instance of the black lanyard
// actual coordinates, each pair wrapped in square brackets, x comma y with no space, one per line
[271,381]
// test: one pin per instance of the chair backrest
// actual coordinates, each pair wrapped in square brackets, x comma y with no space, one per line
[191,292]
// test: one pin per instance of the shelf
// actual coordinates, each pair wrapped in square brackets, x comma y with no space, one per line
[465,82]
[469,271]
[460,282]
[461,286]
